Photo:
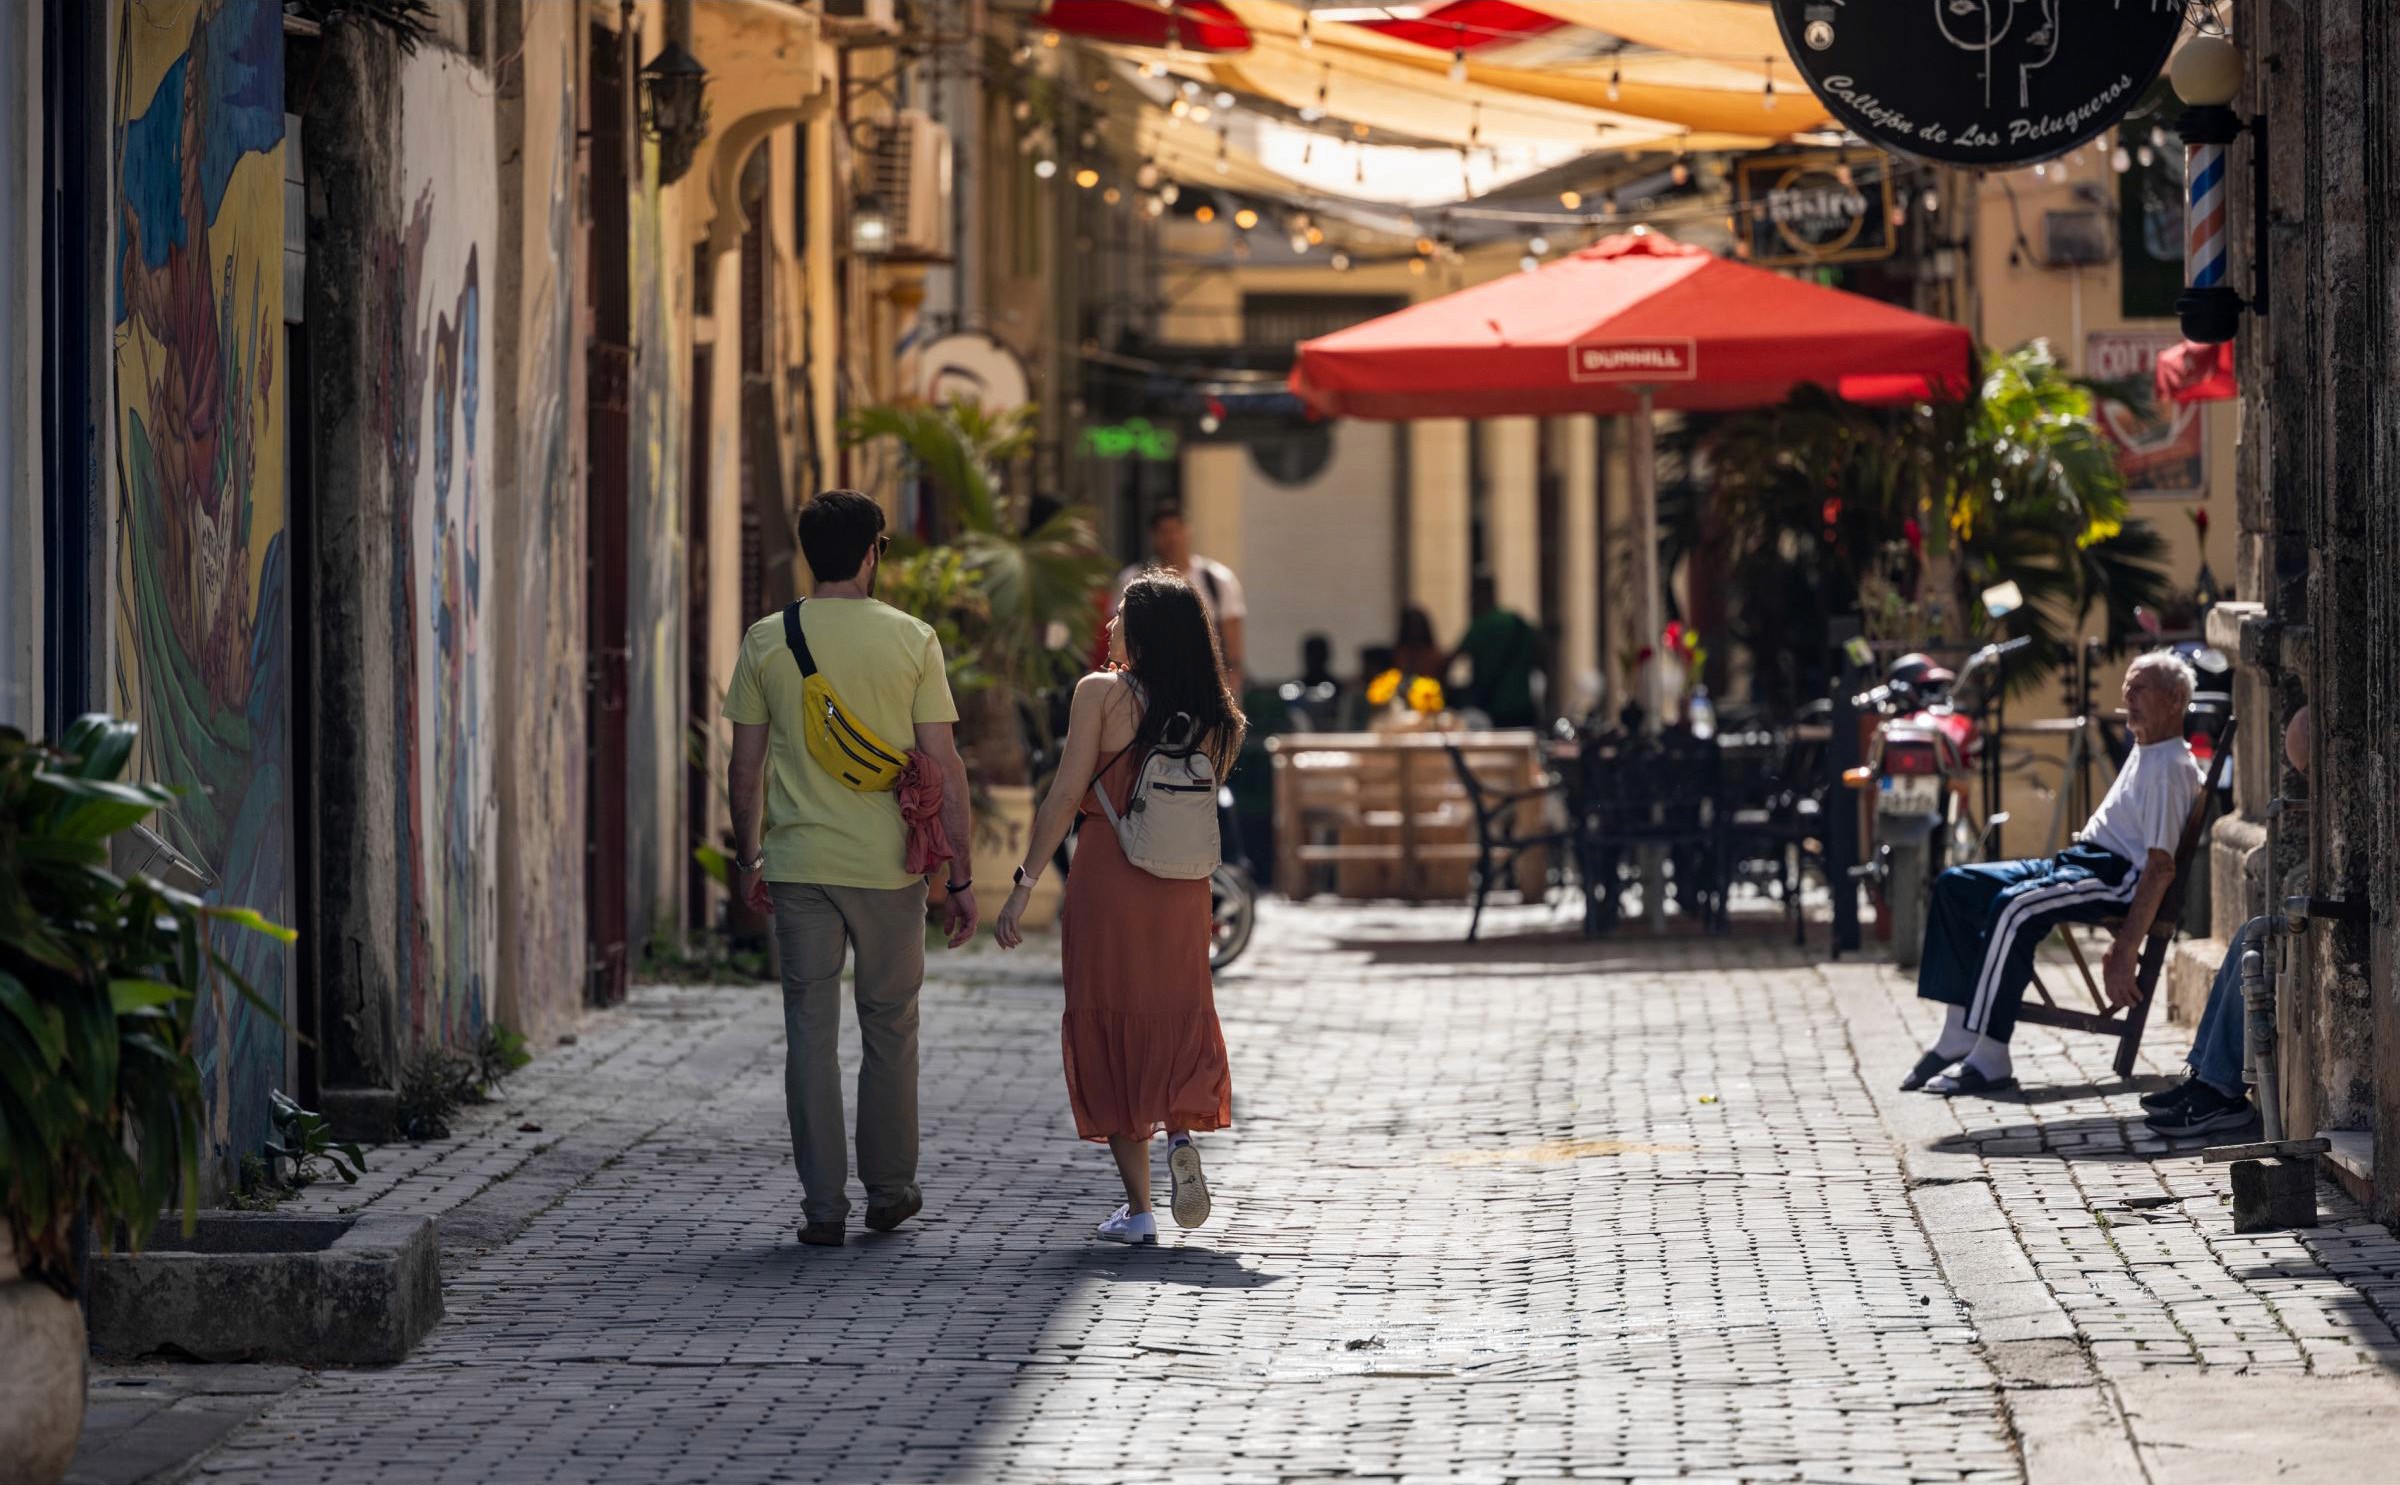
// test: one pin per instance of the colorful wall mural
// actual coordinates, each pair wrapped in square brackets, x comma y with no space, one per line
[539,571]
[440,531]
[203,639]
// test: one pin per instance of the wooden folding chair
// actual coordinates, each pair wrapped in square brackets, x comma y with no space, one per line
[2125,1022]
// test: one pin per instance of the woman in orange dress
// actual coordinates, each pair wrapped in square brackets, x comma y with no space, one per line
[1143,1051]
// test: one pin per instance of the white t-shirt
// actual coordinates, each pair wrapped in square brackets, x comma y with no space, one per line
[2146,807]
[1220,591]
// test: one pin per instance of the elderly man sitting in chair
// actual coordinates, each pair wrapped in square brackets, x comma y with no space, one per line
[1988,919]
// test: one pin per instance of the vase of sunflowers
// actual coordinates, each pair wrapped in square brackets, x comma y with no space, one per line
[1409,703]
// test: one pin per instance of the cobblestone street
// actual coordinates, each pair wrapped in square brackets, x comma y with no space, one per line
[1543,1209]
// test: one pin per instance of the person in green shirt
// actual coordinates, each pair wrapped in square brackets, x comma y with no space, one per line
[1505,651]
[830,864]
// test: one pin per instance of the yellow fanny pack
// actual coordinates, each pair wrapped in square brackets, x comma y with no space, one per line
[842,745]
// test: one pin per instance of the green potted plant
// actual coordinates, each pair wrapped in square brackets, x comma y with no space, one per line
[100,982]
[1013,597]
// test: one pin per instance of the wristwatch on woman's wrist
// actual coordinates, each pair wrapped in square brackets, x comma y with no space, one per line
[1024,878]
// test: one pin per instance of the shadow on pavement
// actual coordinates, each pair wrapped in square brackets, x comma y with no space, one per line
[2097,1137]
[1168,1263]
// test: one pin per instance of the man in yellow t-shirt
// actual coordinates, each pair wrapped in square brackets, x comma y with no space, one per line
[830,863]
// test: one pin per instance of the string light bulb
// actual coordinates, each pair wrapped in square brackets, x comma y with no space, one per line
[1045,168]
[1245,219]
[1204,213]
[1087,177]
[1224,151]
[1112,195]
[1682,170]
[1224,99]
[1308,39]
[1570,199]
[1458,56]
[1416,266]
[1174,33]
[1341,261]
[1170,193]
[1050,39]
[1931,200]
[1147,175]
[2122,159]
[1539,247]
[1616,80]
[1767,99]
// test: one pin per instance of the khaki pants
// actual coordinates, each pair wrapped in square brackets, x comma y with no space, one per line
[886,930]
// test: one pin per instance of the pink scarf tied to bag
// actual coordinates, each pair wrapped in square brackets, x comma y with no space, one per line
[921,812]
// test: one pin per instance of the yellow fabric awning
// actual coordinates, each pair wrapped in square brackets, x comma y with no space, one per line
[1714,94]
[1721,30]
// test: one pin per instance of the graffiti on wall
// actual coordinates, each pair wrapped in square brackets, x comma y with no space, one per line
[433,426]
[203,638]
[545,565]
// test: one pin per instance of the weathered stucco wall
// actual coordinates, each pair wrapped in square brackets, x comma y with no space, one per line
[537,562]
[401,321]
[202,643]
[443,431]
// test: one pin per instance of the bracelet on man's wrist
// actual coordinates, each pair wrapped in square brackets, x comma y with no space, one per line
[954,888]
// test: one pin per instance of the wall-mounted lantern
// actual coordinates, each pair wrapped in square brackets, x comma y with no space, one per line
[870,226]
[2207,75]
[675,108]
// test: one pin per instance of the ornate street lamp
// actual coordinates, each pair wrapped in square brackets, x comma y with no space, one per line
[675,108]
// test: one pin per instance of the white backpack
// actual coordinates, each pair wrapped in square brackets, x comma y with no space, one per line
[1169,828]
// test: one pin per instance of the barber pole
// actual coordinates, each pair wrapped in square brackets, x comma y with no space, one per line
[2205,240]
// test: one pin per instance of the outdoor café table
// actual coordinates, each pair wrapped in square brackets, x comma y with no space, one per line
[1384,810]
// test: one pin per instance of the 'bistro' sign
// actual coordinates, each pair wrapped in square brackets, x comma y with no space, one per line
[1987,84]
[1825,206]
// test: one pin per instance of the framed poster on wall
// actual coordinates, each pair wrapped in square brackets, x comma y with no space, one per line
[2164,451]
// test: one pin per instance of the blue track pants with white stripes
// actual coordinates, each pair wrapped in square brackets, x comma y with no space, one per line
[1987,920]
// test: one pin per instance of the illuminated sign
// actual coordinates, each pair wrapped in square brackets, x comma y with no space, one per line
[1135,438]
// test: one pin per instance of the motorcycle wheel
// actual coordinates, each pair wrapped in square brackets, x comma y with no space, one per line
[1232,915]
[1904,891]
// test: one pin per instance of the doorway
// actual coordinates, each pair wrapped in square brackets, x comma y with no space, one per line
[608,421]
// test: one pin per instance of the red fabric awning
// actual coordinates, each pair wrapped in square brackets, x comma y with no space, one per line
[2192,372]
[1195,25]
[1588,332]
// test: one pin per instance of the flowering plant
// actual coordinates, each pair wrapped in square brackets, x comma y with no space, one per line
[1422,694]
[1683,645]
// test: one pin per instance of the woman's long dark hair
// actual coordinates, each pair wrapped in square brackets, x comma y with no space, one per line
[1174,651]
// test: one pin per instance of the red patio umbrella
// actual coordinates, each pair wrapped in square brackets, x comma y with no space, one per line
[1632,324]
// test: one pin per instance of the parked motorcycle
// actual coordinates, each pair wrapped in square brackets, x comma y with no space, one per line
[1920,764]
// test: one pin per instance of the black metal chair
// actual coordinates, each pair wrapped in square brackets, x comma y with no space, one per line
[1779,825]
[1499,845]
[1664,792]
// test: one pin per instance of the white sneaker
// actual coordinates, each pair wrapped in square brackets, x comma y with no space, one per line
[1130,1226]
[1190,1202]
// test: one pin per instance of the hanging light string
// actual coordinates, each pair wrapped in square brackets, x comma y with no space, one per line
[1113,121]
[1488,32]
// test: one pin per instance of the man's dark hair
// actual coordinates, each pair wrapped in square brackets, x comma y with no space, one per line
[1167,512]
[837,529]
[1485,596]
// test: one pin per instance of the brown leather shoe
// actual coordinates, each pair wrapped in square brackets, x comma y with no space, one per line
[884,1219]
[824,1234]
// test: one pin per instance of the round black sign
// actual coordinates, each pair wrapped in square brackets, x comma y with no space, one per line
[1987,84]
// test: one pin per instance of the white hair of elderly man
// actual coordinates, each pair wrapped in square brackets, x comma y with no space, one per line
[2171,668]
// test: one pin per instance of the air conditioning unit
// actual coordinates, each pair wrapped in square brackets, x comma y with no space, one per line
[862,20]
[2075,239]
[908,168]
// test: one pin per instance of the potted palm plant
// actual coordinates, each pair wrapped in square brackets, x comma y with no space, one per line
[100,983]
[1011,594]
